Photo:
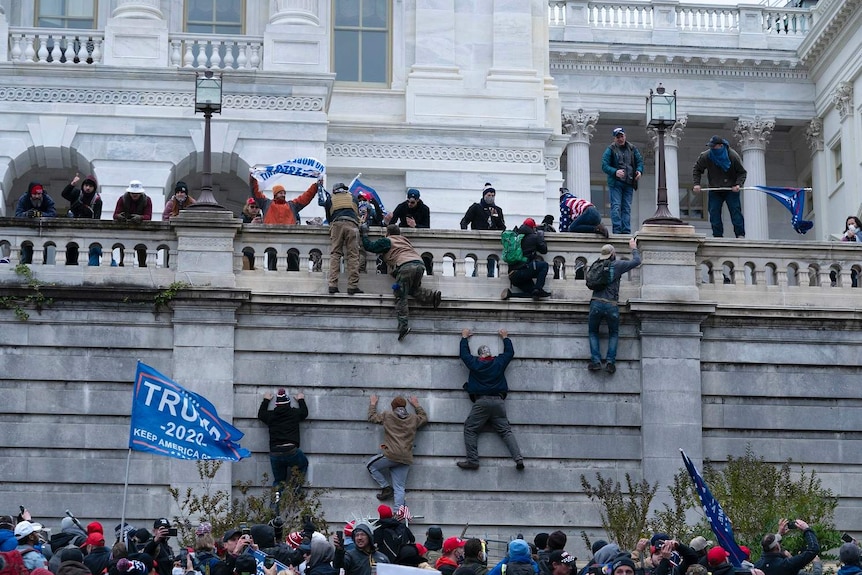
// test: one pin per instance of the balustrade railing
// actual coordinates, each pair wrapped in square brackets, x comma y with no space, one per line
[296,260]
[213,51]
[56,46]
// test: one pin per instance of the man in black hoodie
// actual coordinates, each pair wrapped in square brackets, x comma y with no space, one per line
[530,276]
[84,202]
[284,452]
[485,215]
[391,534]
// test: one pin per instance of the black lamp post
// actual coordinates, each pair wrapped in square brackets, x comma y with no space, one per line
[208,101]
[661,114]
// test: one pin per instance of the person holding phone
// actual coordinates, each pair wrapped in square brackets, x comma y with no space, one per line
[158,547]
[775,562]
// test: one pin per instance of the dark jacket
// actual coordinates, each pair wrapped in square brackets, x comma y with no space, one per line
[487,376]
[850,570]
[390,536]
[778,564]
[97,560]
[618,267]
[689,558]
[283,422]
[127,207]
[474,565]
[25,204]
[531,244]
[357,562]
[718,178]
[81,204]
[627,158]
[419,212]
[482,216]
[162,554]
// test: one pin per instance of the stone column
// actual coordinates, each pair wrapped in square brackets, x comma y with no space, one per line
[136,35]
[672,137]
[294,38]
[753,135]
[847,203]
[297,12]
[580,127]
[814,136]
[205,239]
[4,33]
[512,35]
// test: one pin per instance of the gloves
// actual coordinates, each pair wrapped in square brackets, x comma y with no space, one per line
[34,214]
[137,218]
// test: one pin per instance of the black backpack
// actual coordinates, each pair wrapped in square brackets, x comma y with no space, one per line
[600,274]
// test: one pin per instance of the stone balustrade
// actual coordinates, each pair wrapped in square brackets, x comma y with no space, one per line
[296,259]
[216,51]
[690,20]
[55,46]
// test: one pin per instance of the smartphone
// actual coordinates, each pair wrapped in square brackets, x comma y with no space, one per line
[340,535]
[172,532]
[846,538]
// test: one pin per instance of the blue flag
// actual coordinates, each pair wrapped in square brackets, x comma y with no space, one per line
[356,187]
[172,421]
[794,200]
[718,521]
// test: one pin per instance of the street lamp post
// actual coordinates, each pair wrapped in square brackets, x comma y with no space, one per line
[661,114]
[207,100]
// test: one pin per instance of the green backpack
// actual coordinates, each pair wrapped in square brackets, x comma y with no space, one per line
[512,252]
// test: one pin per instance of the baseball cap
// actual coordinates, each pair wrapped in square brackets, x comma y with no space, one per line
[561,556]
[25,528]
[618,131]
[161,522]
[451,544]
[530,222]
[412,193]
[230,534]
[716,556]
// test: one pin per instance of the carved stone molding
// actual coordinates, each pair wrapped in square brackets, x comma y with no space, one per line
[443,153]
[842,99]
[814,134]
[754,133]
[580,126]
[168,99]
[552,163]
[598,64]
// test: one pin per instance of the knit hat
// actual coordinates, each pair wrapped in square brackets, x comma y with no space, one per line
[607,251]
[142,564]
[71,554]
[96,539]
[413,193]
[557,540]
[530,222]
[399,402]
[548,219]
[181,187]
[518,548]
[561,556]
[204,528]
[434,538]
[715,140]
[849,554]
[700,543]
[281,397]
[716,556]
[624,562]
[277,188]
[36,189]
[67,523]
[597,544]
[541,540]
[295,539]
[384,511]
[451,544]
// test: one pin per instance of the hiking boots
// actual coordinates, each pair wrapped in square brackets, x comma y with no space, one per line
[519,465]
[333,289]
[402,333]
[611,368]
[602,231]
[437,299]
[541,294]
[594,366]
[467,465]
[386,493]
[507,293]
[354,291]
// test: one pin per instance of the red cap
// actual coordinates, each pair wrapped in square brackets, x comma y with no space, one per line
[37,189]
[384,511]
[530,222]
[348,528]
[294,539]
[94,538]
[451,544]
[716,556]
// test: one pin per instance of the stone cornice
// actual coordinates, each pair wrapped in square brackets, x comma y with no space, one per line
[166,98]
[743,68]
[435,153]
[834,18]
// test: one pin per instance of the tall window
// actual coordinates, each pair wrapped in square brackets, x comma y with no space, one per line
[837,163]
[691,204]
[600,198]
[214,16]
[79,14]
[361,41]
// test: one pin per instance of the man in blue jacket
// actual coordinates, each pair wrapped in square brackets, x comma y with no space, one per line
[487,387]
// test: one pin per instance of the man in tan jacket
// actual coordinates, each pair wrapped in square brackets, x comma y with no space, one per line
[399,432]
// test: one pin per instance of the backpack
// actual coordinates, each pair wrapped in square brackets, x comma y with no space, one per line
[600,274]
[12,563]
[512,252]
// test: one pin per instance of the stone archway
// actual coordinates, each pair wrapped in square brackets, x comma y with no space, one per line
[230,179]
[51,167]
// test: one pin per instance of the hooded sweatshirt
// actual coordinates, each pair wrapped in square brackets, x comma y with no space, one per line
[25,204]
[82,204]
[398,432]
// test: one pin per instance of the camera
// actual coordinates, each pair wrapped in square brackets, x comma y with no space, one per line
[846,538]
[792,525]
[243,528]
[172,532]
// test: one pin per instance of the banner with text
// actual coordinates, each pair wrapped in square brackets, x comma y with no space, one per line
[302,167]
[175,422]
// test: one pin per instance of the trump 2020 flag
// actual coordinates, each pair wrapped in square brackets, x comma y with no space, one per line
[357,186]
[794,200]
[302,167]
[718,521]
[172,421]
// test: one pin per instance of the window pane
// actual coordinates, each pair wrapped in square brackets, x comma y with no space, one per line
[201,10]
[51,8]
[79,8]
[374,58]
[347,12]
[228,29]
[346,51]
[375,13]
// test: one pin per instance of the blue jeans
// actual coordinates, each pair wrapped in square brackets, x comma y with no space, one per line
[621,206]
[734,206]
[397,474]
[586,222]
[610,313]
[522,278]
[489,408]
[282,467]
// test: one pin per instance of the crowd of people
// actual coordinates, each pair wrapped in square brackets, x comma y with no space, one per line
[362,544]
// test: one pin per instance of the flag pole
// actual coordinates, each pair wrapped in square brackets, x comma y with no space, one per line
[125,492]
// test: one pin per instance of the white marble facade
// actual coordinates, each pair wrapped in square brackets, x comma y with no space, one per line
[520,94]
